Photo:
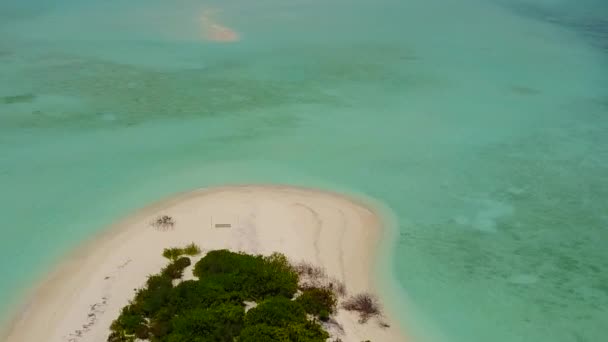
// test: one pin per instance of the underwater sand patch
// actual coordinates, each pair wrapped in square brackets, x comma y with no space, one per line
[216,32]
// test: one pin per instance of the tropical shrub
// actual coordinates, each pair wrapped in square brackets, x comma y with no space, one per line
[318,301]
[192,249]
[302,332]
[175,270]
[307,332]
[264,333]
[257,277]
[222,322]
[128,322]
[153,297]
[175,252]
[211,308]
[277,311]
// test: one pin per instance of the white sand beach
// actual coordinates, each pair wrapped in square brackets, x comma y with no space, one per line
[80,299]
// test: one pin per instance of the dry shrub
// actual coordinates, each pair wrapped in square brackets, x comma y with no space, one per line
[332,323]
[337,286]
[312,276]
[365,304]
[163,222]
[383,324]
[308,270]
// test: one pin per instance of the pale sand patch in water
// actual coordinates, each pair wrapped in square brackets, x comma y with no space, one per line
[214,31]
[80,299]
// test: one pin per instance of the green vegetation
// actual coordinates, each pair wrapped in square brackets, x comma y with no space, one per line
[281,319]
[192,249]
[320,302]
[175,270]
[211,308]
[255,277]
[175,252]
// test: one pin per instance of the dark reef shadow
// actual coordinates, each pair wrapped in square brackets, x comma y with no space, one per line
[21,98]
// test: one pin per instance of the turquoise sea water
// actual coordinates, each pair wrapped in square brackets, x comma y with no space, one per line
[482,124]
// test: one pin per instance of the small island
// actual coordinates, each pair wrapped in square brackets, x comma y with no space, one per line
[234,263]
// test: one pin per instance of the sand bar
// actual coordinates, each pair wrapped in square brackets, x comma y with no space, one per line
[79,300]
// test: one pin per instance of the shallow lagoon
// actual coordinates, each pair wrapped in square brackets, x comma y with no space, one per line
[483,126]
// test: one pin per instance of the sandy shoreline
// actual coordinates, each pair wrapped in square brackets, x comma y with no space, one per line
[79,300]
